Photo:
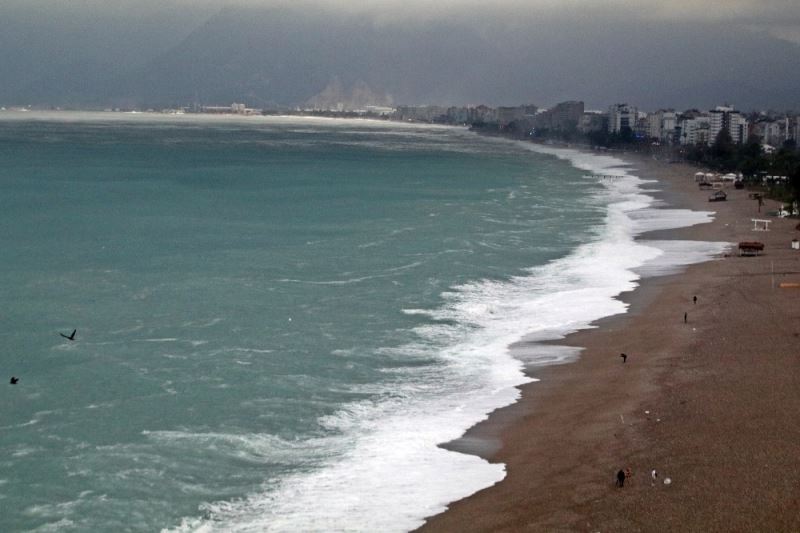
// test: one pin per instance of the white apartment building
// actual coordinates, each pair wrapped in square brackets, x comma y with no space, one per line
[622,116]
[774,132]
[661,125]
[724,117]
[654,125]
[669,121]
[695,130]
[739,129]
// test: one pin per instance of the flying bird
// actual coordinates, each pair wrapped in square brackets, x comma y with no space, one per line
[14,380]
[70,337]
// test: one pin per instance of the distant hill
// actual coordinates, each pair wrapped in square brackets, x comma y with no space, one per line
[282,57]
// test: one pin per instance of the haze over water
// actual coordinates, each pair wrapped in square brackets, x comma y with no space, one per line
[279,319]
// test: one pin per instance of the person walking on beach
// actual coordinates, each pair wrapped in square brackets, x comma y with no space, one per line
[620,479]
[685,318]
[624,357]
[695,300]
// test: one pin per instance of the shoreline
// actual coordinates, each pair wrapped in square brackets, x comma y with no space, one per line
[569,433]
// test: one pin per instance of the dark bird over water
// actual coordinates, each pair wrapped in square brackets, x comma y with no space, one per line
[14,380]
[70,337]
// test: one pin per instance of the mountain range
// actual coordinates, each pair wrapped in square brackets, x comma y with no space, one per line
[284,56]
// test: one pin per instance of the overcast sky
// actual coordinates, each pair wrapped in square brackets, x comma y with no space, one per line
[162,52]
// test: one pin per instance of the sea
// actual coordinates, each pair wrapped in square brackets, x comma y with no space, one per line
[280,319]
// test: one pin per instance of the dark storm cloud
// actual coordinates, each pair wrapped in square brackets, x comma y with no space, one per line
[266,52]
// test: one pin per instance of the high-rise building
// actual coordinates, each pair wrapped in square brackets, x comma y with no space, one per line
[592,121]
[654,125]
[565,115]
[772,132]
[620,117]
[669,121]
[507,115]
[694,130]
[724,117]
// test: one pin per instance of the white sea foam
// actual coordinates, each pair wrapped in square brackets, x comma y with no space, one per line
[253,448]
[385,472]
[678,254]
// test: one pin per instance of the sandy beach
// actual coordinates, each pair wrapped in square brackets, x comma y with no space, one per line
[711,403]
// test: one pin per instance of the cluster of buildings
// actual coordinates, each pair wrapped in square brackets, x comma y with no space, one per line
[233,109]
[691,127]
[665,126]
[562,117]
[694,127]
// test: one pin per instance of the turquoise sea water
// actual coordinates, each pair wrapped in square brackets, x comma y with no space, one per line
[277,319]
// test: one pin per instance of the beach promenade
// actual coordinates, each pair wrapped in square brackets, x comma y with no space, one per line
[712,402]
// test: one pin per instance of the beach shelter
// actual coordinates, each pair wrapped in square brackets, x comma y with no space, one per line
[699,176]
[761,224]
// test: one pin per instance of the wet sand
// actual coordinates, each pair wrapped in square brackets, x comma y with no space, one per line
[713,404]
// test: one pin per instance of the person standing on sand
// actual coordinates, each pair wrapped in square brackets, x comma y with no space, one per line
[620,478]
[695,300]
[685,318]
[624,357]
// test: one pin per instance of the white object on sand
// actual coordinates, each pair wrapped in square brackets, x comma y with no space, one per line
[667,481]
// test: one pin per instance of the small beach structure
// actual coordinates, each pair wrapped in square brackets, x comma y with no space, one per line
[718,196]
[760,224]
[699,176]
[750,248]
